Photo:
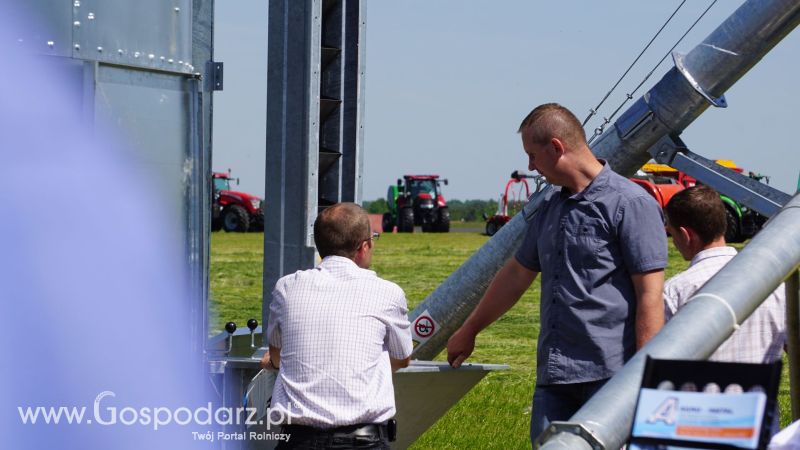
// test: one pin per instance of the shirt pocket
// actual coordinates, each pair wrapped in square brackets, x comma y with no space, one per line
[589,245]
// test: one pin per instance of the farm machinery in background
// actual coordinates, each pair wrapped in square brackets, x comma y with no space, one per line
[662,182]
[234,211]
[512,201]
[417,200]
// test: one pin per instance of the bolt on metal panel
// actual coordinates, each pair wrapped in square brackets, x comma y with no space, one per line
[156,34]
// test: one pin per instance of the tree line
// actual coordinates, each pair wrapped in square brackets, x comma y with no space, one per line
[466,210]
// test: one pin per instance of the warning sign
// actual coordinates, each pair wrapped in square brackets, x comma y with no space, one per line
[424,327]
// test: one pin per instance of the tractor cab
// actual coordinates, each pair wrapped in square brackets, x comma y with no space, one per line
[418,187]
[222,182]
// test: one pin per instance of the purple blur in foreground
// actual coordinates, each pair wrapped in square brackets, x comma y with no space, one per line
[91,286]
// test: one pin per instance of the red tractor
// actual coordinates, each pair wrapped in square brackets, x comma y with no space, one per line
[418,201]
[234,211]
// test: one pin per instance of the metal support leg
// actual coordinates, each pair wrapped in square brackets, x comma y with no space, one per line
[793,340]
[755,195]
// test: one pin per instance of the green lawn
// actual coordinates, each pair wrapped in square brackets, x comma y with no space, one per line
[496,413]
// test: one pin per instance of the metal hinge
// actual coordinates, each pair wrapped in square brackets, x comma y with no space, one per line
[215,74]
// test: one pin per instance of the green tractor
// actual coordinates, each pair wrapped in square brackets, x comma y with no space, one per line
[417,200]
[743,223]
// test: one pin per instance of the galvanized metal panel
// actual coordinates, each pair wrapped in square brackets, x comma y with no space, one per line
[426,390]
[314,133]
[343,35]
[50,30]
[202,54]
[151,111]
[292,160]
[146,33]
[330,133]
[161,109]
[198,203]
[755,195]
[354,56]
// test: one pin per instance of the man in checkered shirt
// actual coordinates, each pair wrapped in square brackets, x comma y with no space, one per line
[696,220]
[336,333]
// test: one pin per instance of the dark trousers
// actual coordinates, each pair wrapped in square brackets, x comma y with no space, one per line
[559,402]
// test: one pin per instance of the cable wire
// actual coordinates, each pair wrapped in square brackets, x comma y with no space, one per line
[593,111]
[606,120]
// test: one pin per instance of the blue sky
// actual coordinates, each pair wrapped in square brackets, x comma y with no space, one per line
[447,83]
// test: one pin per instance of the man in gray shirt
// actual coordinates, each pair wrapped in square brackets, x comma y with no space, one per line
[599,242]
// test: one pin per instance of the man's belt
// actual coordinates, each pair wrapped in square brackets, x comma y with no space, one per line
[379,430]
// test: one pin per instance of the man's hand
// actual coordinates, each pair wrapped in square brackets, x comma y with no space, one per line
[271,359]
[398,364]
[460,346]
[265,362]
[506,288]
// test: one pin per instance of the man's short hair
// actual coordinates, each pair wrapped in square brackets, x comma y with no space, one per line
[340,229]
[552,120]
[698,208]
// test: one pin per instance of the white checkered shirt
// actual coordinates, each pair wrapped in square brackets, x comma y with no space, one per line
[337,325]
[760,338]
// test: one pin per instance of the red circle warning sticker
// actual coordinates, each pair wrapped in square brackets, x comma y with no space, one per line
[424,326]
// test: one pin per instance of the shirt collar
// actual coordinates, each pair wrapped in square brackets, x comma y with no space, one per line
[597,184]
[338,261]
[713,253]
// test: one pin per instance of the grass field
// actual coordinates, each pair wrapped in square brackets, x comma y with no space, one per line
[496,413]
[457,224]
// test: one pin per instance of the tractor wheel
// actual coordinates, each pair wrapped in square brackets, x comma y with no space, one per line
[443,224]
[491,228]
[406,220]
[256,222]
[216,213]
[216,224]
[235,219]
[387,223]
[732,233]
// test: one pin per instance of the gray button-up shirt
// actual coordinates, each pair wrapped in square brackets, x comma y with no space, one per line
[586,246]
